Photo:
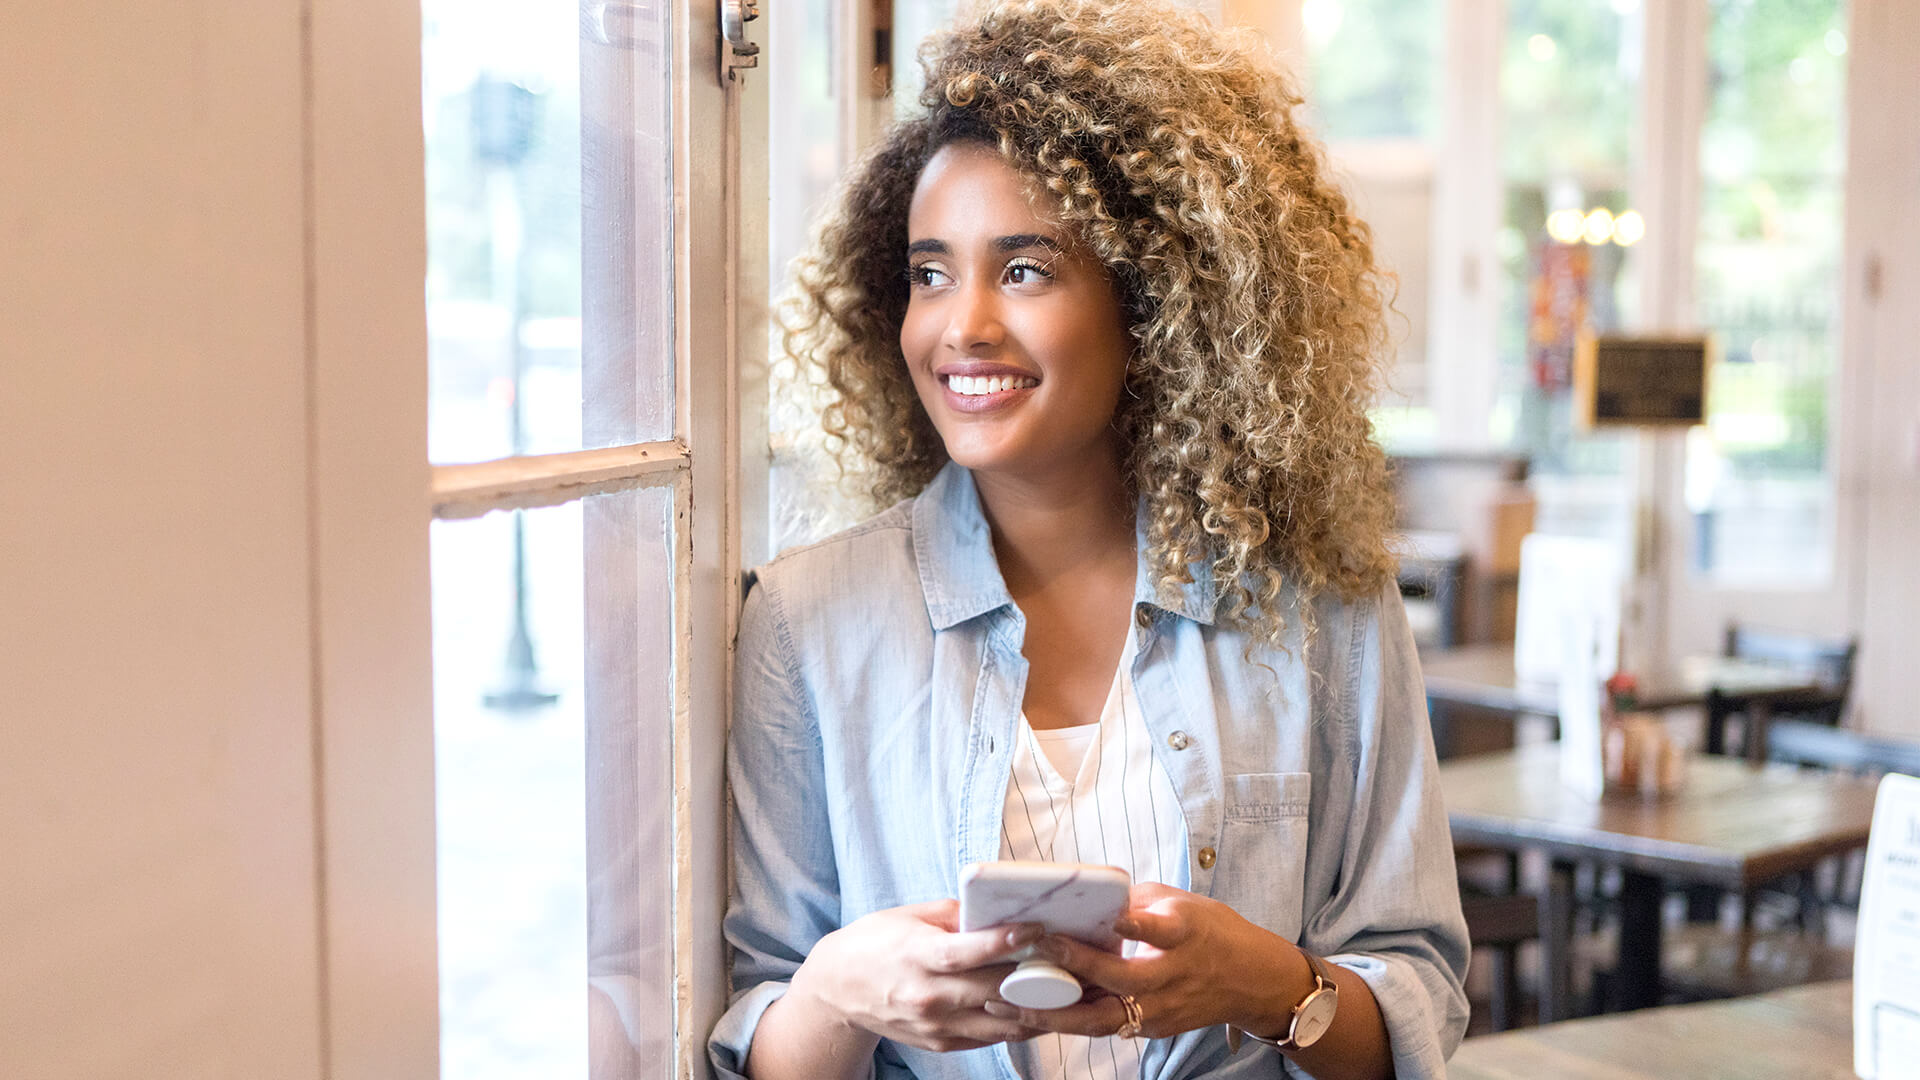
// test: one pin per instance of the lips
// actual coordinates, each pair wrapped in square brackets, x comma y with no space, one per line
[984,388]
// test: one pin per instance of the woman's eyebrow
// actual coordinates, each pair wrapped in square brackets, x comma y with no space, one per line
[1016,242]
[1028,240]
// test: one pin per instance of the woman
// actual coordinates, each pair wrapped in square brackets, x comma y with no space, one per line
[1102,325]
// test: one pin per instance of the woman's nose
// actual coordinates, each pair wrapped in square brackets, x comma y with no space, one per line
[974,320]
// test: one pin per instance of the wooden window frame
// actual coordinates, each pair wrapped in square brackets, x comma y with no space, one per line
[374,496]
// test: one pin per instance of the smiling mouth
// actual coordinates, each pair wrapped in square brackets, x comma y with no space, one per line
[984,385]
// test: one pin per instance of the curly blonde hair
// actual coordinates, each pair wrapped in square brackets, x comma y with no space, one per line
[1171,149]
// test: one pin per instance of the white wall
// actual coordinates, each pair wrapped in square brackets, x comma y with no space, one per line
[156,786]
[169,418]
[1883,340]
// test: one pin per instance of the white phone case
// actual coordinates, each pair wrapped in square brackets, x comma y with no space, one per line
[1079,900]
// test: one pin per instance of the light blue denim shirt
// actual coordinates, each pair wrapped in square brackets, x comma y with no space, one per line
[878,688]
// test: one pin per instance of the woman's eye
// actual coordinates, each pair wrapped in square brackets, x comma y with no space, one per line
[922,275]
[1026,272]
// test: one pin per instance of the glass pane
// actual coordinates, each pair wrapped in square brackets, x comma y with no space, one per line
[803,131]
[1371,65]
[1768,282]
[1372,94]
[549,285]
[807,102]
[553,773]
[1569,88]
[1391,184]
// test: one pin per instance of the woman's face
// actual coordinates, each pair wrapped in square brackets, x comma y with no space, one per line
[1014,334]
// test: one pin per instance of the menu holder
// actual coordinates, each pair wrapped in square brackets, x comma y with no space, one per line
[1886,954]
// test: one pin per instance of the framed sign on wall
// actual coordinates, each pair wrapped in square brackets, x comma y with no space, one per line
[1629,381]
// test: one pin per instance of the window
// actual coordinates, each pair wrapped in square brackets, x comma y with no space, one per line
[1570,76]
[1767,265]
[581,353]
[824,99]
[1372,84]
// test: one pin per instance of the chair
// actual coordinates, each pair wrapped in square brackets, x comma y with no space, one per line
[1796,950]
[1822,746]
[1431,572]
[1814,745]
[1500,924]
[1829,661]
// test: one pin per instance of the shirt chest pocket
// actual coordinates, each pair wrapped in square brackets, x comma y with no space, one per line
[1262,862]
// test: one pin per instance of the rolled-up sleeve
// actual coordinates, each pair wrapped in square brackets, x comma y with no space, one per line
[785,894]
[1395,917]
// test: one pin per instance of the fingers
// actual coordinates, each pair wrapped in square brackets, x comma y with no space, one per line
[1159,915]
[947,1044]
[1162,930]
[1094,1019]
[954,993]
[957,952]
[1145,893]
[944,914]
[987,1029]
[1096,966]
[966,1030]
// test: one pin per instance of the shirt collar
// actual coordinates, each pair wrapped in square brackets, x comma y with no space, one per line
[961,577]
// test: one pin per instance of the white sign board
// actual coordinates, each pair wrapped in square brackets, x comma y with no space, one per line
[1886,955]
[1567,581]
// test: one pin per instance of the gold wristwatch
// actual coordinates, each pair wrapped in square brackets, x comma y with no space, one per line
[1311,1018]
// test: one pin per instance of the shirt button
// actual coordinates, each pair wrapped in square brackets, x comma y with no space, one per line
[1179,740]
[1206,858]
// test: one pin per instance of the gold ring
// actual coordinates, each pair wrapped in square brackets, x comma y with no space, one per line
[1135,1016]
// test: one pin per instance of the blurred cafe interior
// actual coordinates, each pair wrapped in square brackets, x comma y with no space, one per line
[366,647]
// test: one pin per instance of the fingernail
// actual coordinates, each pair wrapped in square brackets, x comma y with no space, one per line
[1023,935]
[1000,1010]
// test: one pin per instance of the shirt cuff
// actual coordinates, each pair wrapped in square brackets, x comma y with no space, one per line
[1407,1007]
[733,1036]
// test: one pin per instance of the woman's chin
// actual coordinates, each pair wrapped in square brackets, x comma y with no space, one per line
[984,459]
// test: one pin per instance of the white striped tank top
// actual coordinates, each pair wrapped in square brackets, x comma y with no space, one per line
[1118,809]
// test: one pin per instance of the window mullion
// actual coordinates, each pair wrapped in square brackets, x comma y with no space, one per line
[463,491]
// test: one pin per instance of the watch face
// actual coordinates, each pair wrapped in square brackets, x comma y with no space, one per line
[1314,1018]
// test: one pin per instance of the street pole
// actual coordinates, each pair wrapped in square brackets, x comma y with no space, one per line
[502,127]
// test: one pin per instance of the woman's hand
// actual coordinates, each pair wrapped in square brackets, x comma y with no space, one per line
[909,975]
[1200,964]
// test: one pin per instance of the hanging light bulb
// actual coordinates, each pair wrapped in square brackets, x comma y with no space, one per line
[1599,226]
[1565,225]
[1628,228]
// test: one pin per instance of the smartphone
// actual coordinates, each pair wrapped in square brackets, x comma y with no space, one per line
[1078,900]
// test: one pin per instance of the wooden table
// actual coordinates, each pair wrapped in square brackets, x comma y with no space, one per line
[1482,676]
[1805,1032]
[1734,825]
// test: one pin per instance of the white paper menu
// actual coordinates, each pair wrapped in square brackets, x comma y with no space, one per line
[1581,767]
[1886,955]
[1563,577]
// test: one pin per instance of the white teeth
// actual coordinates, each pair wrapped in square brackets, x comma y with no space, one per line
[976,385]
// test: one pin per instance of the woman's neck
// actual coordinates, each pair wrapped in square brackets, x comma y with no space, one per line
[1065,521]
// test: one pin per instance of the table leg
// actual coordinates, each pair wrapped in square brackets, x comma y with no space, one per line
[1759,717]
[1637,971]
[1556,944]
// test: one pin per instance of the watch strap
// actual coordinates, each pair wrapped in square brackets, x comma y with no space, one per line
[1322,983]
